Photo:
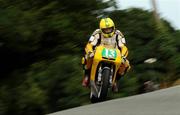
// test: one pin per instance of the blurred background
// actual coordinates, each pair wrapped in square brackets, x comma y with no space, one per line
[42,42]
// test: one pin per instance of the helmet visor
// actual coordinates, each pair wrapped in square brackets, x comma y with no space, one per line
[107,30]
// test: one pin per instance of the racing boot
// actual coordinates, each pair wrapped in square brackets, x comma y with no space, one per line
[86,79]
[115,88]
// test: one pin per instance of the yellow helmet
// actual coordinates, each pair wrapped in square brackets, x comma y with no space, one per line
[107,27]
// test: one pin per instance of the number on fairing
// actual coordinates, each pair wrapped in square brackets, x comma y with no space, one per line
[109,53]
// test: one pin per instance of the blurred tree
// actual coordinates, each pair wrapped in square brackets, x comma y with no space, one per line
[145,40]
[33,35]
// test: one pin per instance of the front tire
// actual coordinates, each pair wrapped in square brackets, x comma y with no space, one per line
[103,90]
[93,98]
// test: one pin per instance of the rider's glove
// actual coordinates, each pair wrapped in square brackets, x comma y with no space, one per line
[90,54]
[123,59]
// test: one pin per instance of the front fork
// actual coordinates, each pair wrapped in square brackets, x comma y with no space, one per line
[98,81]
[99,76]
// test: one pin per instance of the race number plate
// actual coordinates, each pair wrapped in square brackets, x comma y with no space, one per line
[109,53]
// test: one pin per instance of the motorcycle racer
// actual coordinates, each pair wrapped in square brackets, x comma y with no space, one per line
[107,35]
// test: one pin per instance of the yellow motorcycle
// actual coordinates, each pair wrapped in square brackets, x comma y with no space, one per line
[106,62]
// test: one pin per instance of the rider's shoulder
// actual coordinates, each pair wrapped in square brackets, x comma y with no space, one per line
[118,32]
[97,31]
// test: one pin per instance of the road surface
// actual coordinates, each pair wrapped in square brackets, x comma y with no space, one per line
[162,102]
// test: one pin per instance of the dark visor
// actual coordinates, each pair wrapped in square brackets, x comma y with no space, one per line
[107,30]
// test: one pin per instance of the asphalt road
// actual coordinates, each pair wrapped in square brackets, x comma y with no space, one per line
[162,102]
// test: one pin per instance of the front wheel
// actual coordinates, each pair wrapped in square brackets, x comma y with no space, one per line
[103,89]
[93,98]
